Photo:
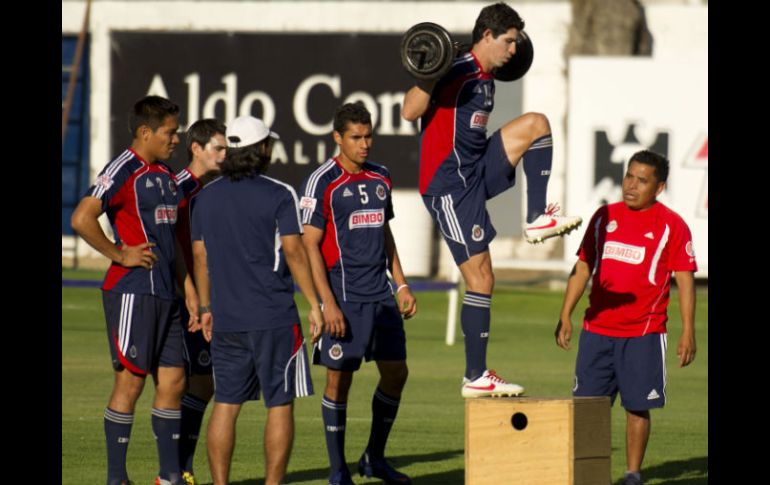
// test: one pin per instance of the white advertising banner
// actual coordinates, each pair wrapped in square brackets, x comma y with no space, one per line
[618,106]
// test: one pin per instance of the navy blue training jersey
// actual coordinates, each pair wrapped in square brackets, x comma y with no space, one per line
[352,210]
[141,202]
[240,224]
[454,129]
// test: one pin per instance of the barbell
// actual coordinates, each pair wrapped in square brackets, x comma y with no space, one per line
[428,51]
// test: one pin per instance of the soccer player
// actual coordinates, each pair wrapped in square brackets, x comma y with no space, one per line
[461,168]
[629,251]
[246,236]
[206,146]
[346,206]
[140,195]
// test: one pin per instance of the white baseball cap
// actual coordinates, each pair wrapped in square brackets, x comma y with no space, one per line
[247,130]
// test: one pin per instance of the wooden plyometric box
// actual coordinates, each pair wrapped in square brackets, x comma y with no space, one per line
[537,441]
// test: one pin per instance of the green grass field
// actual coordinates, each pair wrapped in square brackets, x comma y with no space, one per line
[427,440]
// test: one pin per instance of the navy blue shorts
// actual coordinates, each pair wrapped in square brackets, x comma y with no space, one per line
[144,332]
[635,367]
[373,331]
[197,352]
[272,361]
[462,216]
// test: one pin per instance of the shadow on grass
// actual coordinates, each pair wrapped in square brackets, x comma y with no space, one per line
[443,478]
[693,471]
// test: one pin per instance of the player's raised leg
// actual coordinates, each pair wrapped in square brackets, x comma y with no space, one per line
[528,138]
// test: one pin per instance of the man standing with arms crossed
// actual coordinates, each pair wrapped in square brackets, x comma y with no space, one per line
[630,250]
[140,195]
[460,169]
[346,206]
[247,246]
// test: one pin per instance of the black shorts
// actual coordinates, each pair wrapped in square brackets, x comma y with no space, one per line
[144,332]
[273,361]
[373,331]
[635,367]
[197,352]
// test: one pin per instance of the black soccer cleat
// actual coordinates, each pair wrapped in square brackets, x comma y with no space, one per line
[380,469]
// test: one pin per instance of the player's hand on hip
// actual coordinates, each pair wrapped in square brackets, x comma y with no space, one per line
[563,333]
[686,349]
[333,319]
[316,324]
[207,326]
[407,303]
[139,255]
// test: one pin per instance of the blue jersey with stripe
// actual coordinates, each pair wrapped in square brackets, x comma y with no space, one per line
[241,224]
[141,201]
[352,210]
[454,129]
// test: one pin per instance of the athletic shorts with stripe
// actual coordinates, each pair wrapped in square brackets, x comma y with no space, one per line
[197,352]
[144,331]
[635,367]
[462,215]
[373,330]
[273,361]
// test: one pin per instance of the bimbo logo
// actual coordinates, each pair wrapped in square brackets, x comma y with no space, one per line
[165,214]
[366,218]
[623,252]
[479,119]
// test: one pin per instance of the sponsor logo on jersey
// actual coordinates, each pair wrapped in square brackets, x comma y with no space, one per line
[623,252]
[477,233]
[689,249]
[165,214]
[381,192]
[204,358]
[612,226]
[479,119]
[149,184]
[347,192]
[649,235]
[104,181]
[308,203]
[335,352]
[366,218]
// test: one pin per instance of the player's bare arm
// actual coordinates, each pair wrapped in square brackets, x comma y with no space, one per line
[687,348]
[417,100]
[299,265]
[576,285]
[332,315]
[407,303]
[85,222]
[203,287]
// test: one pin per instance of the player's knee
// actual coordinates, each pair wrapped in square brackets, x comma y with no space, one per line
[537,123]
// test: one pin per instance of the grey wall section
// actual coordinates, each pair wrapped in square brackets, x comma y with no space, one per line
[505,209]
[293,81]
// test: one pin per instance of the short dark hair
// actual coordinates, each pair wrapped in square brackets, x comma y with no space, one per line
[201,132]
[499,18]
[355,113]
[656,160]
[246,162]
[151,111]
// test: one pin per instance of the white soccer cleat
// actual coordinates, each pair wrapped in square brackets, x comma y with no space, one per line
[490,384]
[549,224]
